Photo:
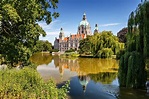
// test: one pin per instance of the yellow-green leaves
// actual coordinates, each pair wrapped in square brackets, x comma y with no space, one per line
[102,45]
[28,84]
[19,27]
[10,13]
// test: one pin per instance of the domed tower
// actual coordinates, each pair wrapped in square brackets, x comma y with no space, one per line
[61,34]
[96,29]
[84,26]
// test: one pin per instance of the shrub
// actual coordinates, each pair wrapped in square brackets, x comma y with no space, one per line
[27,83]
[71,50]
[54,50]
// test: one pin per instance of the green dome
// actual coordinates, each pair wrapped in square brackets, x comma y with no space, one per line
[84,23]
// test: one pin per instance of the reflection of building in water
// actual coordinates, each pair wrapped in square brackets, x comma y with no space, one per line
[87,66]
[56,60]
[83,79]
[72,65]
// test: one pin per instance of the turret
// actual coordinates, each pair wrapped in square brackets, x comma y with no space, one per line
[61,34]
[96,29]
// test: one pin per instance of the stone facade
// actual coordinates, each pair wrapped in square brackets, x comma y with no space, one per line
[72,42]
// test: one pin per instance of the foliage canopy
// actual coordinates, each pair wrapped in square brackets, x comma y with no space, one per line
[102,45]
[42,46]
[19,28]
[132,71]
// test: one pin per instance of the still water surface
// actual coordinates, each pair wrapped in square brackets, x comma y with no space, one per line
[90,78]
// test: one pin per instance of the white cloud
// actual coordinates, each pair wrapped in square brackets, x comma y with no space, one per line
[109,24]
[50,26]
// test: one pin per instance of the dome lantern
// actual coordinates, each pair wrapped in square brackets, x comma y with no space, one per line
[84,21]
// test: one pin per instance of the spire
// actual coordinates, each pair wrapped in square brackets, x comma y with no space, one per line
[96,29]
[61,34]
[61,30]
[84,16]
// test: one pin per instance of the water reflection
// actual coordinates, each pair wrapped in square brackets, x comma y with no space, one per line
[41,58]
[90,78]
[86,75]
[85,66]
[84,79]
[103,77]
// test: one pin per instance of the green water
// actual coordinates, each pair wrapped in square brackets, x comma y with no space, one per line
[90,78]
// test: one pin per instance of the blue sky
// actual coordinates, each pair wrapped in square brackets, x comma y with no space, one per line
[111,15]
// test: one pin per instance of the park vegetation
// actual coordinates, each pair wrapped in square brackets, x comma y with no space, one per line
[28,84]
[42,46]
[19,39]
[19,28]
[102,45]
[132,71]
[71,53]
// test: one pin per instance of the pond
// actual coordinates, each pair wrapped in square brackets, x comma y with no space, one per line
[90,78]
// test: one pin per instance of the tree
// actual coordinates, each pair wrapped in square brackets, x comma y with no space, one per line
[132,71]
[85,46]
[19,28]
[47,46]
[42,46]
[102,45]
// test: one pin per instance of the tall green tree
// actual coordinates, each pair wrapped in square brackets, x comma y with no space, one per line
[19,28]
[132,71]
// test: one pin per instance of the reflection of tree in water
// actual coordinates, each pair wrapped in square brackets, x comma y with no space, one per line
[83,79]
[41,58]
[95,65]
[86,65]
[103,77]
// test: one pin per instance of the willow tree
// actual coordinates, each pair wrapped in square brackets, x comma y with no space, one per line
[19,28]
[132,64]
[105,44]
[102,45]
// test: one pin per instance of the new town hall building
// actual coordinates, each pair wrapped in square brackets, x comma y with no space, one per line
[72,42]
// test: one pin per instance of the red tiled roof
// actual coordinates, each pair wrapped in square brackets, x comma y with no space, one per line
[66,38]
[77,36]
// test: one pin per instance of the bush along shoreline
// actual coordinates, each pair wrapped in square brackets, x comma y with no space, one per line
[26,83]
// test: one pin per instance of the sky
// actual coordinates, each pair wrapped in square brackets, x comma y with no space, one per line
[110,15]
